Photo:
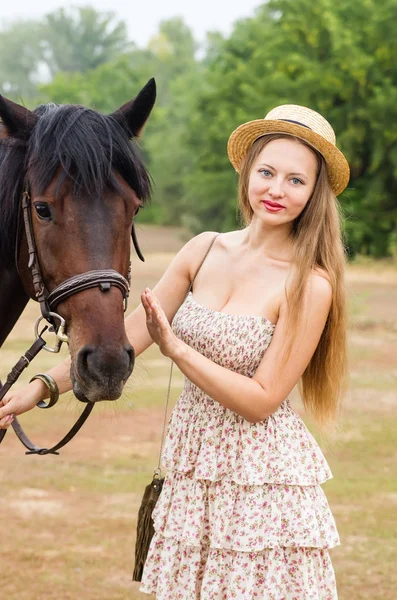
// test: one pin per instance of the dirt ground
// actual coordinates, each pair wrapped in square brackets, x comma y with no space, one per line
[68,521]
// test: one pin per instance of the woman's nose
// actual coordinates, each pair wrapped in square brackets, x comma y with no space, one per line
[276,189]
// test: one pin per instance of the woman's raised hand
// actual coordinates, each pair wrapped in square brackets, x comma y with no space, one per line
[159,327]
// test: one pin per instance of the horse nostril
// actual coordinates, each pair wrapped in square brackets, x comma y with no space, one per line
[131,354]
[82,359]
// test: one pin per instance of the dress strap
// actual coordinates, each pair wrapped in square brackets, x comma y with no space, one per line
[202,262]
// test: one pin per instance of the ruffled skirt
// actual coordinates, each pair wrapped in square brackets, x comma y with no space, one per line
[178,572]
[242,514]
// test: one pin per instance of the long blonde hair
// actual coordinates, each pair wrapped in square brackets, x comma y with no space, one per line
[317,244]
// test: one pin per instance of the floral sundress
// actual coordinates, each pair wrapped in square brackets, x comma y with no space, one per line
[242,515]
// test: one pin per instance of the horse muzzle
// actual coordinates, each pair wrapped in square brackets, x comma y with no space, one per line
[100,373]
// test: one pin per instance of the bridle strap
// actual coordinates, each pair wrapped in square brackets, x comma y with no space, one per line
[104,278]
[136,245]
[12,377]
[38,284]
[33,449]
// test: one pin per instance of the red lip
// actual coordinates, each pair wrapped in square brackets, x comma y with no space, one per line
[273,204]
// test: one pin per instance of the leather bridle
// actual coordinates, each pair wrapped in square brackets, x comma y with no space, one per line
[102,278]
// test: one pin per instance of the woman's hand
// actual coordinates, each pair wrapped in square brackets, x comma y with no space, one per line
[20,401]
[158,326]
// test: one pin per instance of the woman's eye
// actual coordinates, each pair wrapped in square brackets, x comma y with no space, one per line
[43,210]
[296,181]
[265,172]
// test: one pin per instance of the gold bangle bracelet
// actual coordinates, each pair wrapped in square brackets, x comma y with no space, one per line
[53,389]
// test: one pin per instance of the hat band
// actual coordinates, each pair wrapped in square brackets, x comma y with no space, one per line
[296,123]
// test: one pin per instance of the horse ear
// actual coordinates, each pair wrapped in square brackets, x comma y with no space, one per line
[17,121]
[133,115]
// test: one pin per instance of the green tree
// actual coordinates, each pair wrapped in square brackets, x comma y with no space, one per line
[105,88]
[80,39]
[74,40]
[177,74]
[21,54]
[338,58]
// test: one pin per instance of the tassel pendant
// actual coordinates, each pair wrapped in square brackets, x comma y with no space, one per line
[145,527]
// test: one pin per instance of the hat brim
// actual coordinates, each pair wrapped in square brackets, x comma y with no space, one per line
[244,136]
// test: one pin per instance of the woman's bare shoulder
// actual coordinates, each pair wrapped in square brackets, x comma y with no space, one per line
[318,288]
[195,249]
[197,245]
[320,272]
[320,284]
[203,239]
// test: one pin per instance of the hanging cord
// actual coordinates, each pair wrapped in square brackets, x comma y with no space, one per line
[157,472]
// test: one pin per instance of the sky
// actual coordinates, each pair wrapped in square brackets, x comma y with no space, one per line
[143,16]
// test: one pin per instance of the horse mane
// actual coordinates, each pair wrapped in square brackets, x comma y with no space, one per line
[76,143]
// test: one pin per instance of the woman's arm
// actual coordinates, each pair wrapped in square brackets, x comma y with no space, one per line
[258,397]
[170,291]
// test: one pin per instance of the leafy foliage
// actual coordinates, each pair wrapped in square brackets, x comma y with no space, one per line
[80,39]
[337,58]
[68,40]
[20,53]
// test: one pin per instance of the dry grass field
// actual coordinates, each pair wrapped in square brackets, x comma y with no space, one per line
[68,521]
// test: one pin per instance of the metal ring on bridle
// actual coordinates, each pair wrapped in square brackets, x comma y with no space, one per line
[60,332]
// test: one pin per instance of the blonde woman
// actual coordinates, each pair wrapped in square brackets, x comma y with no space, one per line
[242,514]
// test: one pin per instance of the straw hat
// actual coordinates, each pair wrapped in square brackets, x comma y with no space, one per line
[301,122]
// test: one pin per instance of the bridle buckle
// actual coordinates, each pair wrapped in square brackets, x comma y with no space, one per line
[60,332]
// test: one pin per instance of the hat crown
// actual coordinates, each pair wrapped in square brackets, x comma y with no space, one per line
[300,115]
[300,122]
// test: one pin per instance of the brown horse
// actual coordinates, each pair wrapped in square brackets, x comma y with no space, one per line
[84,181]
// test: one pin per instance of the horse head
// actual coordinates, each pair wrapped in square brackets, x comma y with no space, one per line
[82,180]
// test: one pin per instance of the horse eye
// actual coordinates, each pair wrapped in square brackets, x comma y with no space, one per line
[43,210]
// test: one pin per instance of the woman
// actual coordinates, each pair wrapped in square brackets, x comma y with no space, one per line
[242,514]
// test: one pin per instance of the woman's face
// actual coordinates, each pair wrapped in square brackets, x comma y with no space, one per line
[282,181]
